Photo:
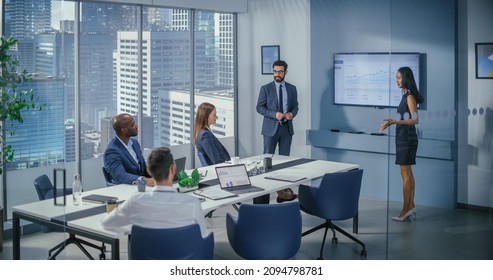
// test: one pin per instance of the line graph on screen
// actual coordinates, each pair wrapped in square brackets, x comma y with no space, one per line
[368,79]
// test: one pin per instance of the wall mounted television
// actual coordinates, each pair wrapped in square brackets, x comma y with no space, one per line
[368,79]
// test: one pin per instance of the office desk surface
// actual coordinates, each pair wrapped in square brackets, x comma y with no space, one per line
[46,210]
[311,170]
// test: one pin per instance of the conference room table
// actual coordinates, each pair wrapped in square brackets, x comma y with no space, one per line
[85,220]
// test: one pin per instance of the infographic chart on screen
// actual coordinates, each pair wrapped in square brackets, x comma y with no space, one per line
[368,79]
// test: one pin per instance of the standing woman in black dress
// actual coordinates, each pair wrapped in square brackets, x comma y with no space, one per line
[406,139]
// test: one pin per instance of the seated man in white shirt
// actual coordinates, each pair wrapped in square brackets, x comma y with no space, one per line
[163,207]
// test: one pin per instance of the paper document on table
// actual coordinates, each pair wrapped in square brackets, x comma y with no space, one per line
[214,193]
[285,177]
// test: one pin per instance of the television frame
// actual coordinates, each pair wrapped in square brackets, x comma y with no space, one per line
[388,96]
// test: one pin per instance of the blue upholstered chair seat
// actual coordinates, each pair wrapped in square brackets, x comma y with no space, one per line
[265,231]
[335,199]
[184,243]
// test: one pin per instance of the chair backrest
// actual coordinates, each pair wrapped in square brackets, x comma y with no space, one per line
[44,187]
[107,177]
[338,195]
[184,243]
[265,231]
[202,159]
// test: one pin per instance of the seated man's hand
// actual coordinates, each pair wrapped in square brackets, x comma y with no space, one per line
[149,182]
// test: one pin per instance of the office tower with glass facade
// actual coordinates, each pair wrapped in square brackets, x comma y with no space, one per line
[225,45]
[88,142]
[23,20]
[165,64]
[40,139]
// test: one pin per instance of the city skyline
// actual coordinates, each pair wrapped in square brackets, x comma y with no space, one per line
[109,71]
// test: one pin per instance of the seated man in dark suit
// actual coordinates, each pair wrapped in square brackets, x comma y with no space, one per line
[123,157]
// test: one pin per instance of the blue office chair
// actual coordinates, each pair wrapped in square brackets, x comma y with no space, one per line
[184,243]
[265,231]
[335,199]
[107,177]
[202,159]
[46,190]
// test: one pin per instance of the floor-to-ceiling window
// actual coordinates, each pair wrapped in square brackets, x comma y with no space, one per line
[214,75]
[112,58]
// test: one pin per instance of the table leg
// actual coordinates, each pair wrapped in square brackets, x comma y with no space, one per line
[1,229]
[355,224]
[16,237]
[115,250]
[264,199]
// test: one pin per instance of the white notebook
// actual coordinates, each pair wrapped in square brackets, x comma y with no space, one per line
[213,193]
[285,177]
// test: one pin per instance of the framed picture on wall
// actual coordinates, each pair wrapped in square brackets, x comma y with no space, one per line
[269,55]
[484,60]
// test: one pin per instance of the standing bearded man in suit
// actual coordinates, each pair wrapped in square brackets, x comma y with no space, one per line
[278,103]
[123,157]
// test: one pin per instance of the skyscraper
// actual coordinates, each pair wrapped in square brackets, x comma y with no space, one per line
[40,139]
[225,41]
[23,20]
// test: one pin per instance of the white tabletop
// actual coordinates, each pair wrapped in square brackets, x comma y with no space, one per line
[311,170]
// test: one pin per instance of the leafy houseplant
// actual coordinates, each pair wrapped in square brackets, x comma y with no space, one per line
[13,101]
[188,183]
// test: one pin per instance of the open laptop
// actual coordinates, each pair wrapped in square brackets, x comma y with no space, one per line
[180,165]
[234,179]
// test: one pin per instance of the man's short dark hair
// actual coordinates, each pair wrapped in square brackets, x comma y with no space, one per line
[159,162]
[121,121]
[280,63]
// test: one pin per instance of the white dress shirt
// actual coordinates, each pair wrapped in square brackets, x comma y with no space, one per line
[130,148]
[163,207]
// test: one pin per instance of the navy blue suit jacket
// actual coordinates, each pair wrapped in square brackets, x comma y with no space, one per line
[208,144]
[268,106]
[120,164]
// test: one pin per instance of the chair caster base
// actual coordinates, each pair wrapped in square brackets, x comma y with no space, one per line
[209,215]
[363,254]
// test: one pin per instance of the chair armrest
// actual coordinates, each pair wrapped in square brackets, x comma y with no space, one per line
[307,197]
[209,247]
[231,224]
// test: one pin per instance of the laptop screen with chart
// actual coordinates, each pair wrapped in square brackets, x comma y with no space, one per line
[234,178]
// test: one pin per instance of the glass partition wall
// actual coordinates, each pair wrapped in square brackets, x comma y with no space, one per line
[151,62]
[452,174]
[160,63]
[44,141]
[426,190]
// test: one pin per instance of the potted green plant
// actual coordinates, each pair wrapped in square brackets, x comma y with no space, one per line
[188,183]
[12,103]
